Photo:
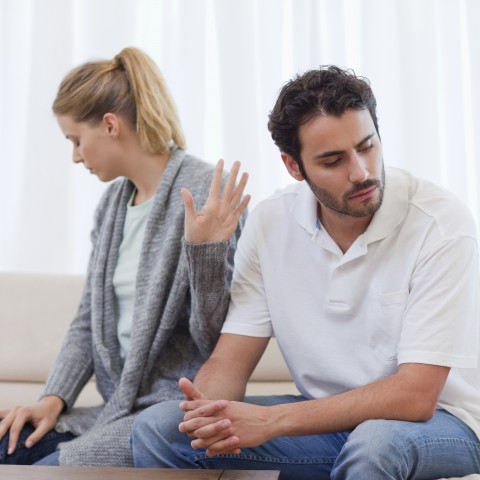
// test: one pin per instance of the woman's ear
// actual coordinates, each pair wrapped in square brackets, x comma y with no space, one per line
[292,166]
[112,124]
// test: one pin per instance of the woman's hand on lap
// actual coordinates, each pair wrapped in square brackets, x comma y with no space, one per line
[43,416]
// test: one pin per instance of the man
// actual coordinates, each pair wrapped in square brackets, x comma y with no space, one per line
[368,278]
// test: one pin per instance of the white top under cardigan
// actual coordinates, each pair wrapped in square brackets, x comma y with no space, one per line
[125,276]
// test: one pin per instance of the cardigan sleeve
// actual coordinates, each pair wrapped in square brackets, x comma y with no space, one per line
[210,268]
[73,366]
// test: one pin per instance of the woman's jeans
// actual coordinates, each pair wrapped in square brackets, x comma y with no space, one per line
[42,453]
[377,449]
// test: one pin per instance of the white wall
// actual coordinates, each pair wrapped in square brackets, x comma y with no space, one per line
[225,61]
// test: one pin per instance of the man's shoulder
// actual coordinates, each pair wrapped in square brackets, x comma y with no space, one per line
[421,190]
[435,202]
[279,204]
[284,196]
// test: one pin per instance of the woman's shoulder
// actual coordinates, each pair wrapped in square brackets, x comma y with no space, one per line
[193,164]
[194,172]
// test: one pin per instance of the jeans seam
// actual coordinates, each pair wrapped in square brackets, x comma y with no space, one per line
[439,441]
[451,440]
[269,459]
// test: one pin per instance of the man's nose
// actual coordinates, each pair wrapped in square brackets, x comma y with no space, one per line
[358,170]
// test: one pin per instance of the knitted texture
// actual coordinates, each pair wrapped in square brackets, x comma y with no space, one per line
[182,295]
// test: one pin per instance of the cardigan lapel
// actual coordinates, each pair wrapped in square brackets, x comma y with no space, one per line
[104,328]
[153,287]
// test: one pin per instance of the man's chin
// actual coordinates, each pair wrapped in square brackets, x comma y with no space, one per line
[364,210]
[367,207]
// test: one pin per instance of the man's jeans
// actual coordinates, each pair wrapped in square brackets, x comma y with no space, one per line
[377,449]
[42,453]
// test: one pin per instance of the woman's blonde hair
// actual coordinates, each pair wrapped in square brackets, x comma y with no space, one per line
[129,85]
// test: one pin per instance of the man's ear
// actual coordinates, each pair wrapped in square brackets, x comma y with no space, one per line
[292,166]
[112,124]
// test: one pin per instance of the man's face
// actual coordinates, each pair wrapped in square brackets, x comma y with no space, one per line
[342,163]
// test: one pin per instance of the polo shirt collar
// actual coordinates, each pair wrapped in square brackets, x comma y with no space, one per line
[393,209]
[304,209]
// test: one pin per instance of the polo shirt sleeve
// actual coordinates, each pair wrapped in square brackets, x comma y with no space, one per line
[441,320]
[248,313]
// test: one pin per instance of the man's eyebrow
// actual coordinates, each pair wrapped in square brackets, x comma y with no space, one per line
[366,139]
[332,153]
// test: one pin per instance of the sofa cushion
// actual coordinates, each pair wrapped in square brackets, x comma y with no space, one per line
[36,310]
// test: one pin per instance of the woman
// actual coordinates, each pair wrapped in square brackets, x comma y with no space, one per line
[153,303]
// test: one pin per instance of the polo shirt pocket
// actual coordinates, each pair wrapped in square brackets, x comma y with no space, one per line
[385,315]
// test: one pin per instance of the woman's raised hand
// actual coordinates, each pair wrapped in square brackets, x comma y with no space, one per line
[218,219]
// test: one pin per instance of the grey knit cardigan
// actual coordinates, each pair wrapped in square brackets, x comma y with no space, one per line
[182,295]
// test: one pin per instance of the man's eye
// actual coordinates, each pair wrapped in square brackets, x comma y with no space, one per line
[333,163]
[366,148]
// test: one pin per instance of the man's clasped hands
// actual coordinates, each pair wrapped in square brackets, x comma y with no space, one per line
[221,426]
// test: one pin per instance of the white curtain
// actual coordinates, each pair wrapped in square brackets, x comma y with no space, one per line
[225,61]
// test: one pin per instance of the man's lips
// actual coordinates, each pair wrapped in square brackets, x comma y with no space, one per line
[363,194]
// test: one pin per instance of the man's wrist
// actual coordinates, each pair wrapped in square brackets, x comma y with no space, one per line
[281,420]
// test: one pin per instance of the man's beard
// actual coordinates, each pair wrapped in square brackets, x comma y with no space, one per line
[342,207]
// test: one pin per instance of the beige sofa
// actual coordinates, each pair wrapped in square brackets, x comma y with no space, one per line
[35,311]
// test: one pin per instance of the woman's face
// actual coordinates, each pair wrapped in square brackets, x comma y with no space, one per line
[93,145]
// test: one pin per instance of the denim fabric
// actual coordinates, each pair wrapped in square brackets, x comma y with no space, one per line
[29,456]
[376,449]
[52,460]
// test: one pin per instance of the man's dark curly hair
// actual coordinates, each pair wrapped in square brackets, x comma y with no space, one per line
[326,91]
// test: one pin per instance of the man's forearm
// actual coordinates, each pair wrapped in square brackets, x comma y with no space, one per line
[226,372]
[216,381]
[404,396]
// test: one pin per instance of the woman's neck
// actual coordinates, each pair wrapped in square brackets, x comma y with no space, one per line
[146,172]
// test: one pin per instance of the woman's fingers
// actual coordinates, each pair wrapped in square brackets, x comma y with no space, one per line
[43,427]
[16,426]
[230,184]
[216,184]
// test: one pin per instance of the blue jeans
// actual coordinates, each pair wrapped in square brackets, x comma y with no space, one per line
[42,453]
[377,449]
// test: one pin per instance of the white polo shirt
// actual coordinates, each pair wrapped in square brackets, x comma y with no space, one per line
[407,290]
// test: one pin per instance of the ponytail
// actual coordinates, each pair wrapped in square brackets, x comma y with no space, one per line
[129,85]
